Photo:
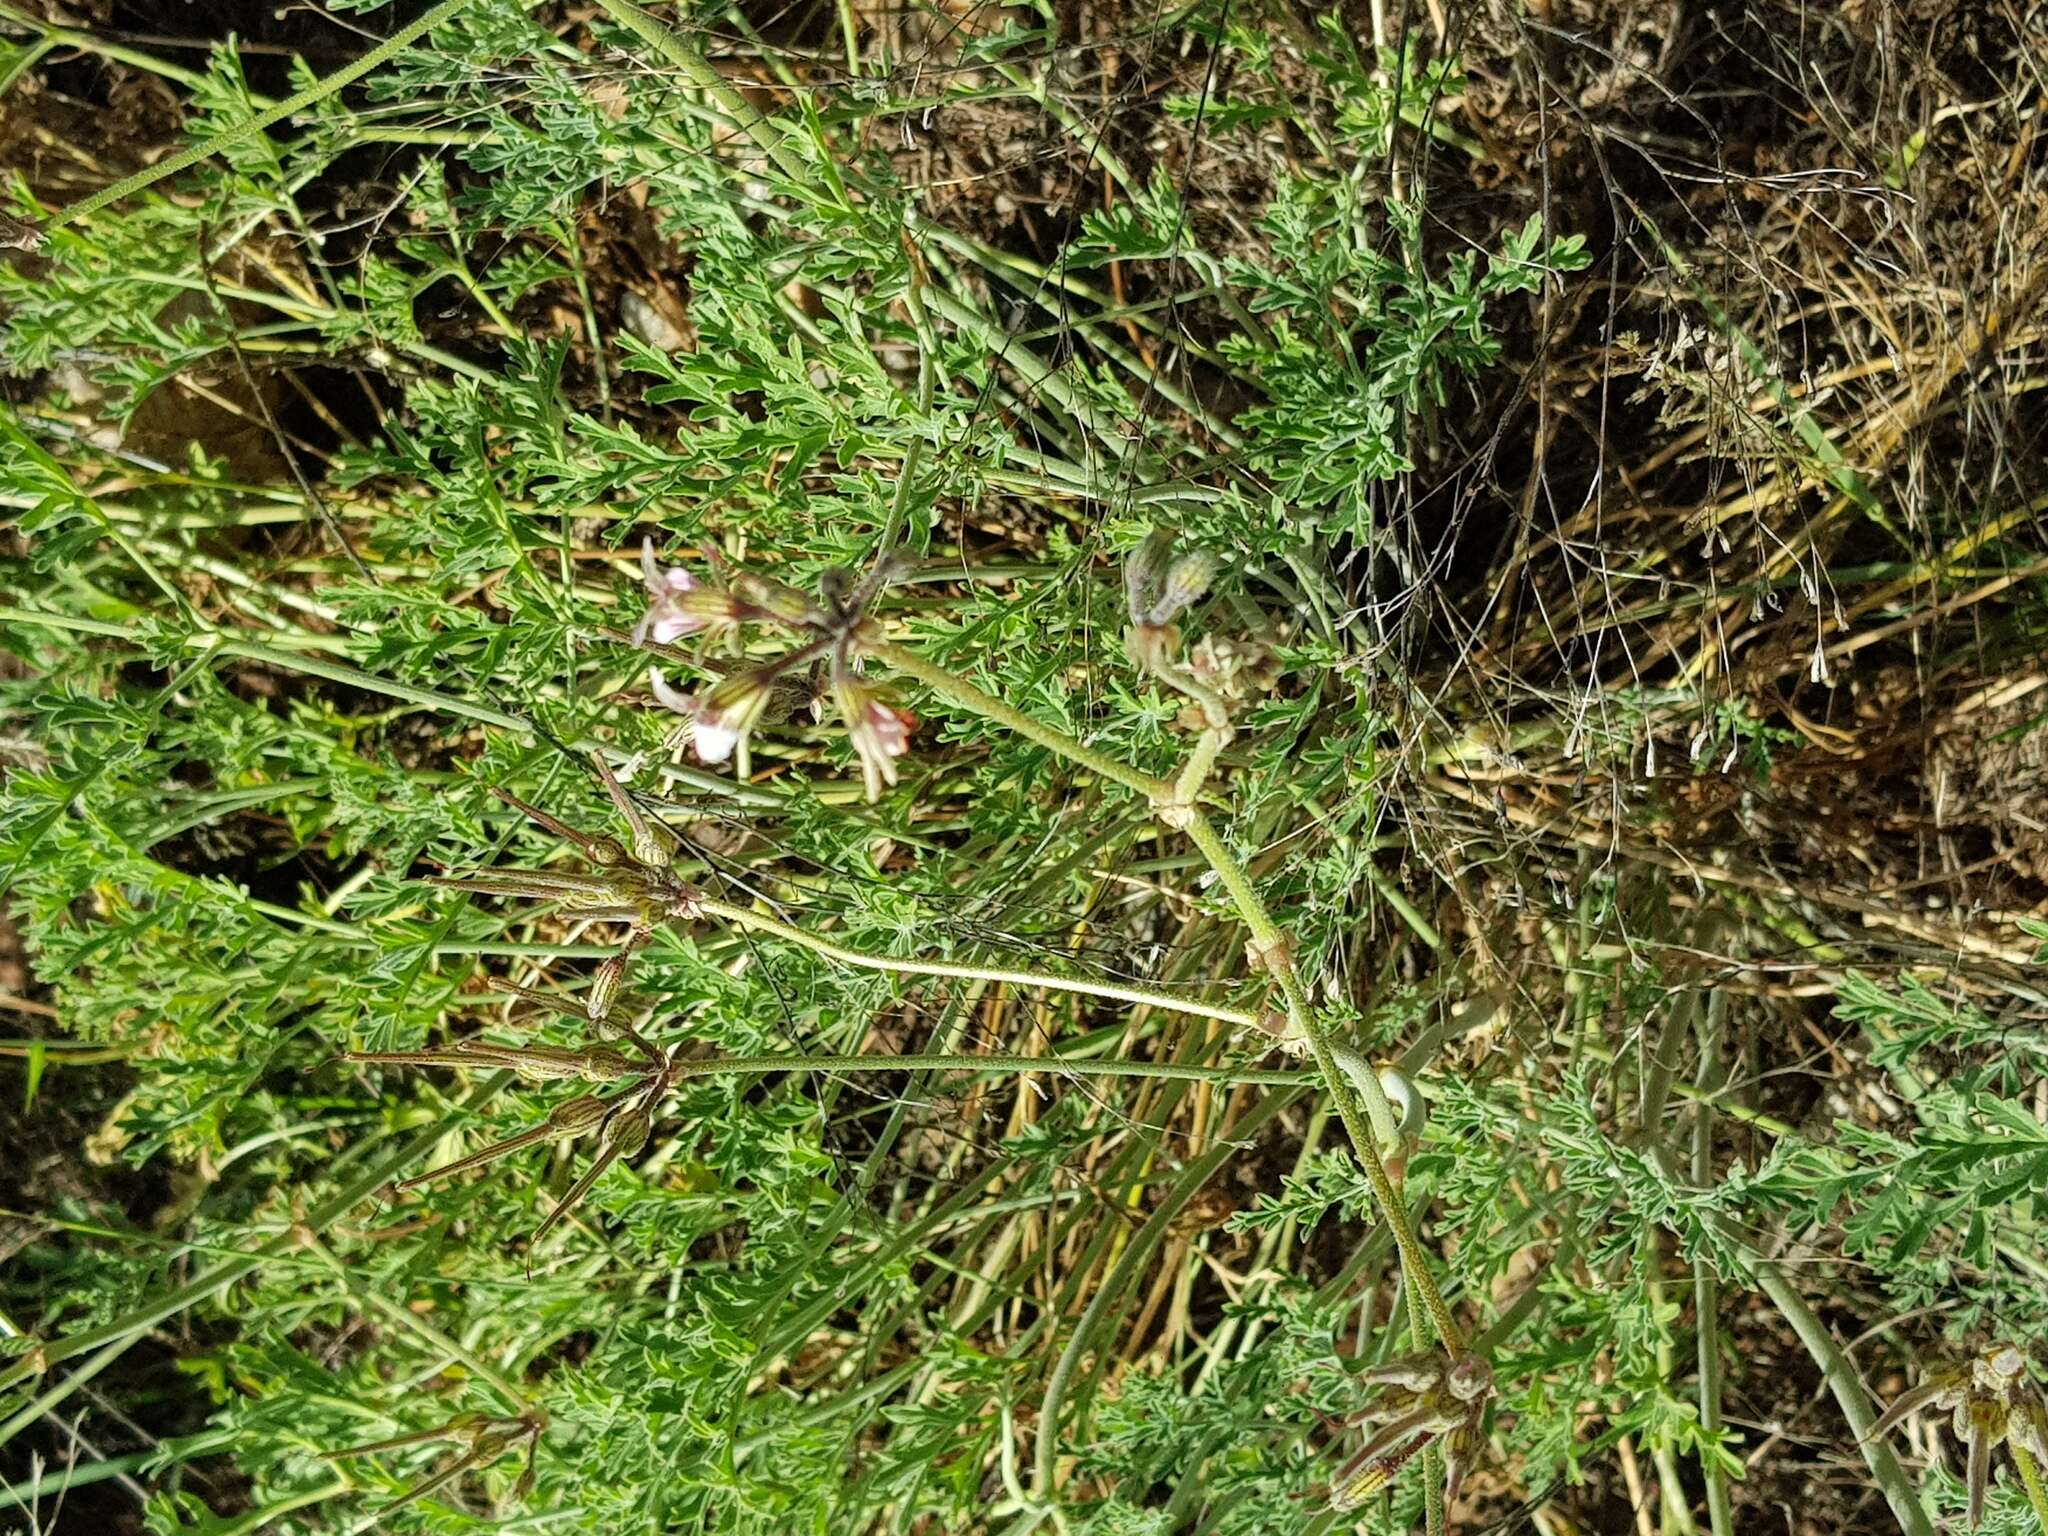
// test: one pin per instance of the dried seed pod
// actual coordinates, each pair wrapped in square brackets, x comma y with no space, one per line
[1990,1400]
[1429,1395]
[571,1117]
[625,1133]
[482,1440]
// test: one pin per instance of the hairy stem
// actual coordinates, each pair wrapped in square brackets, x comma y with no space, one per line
[1266,936]
[2030,1476]
[1272,943]
[1195,772]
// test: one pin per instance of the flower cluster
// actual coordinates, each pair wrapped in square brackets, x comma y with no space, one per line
[827,628]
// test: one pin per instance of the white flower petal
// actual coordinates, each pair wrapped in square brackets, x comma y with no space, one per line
[712,743]
[671,698]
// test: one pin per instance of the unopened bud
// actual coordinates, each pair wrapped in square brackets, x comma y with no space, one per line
[1159,584]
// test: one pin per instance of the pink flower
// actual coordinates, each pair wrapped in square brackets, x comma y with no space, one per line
[880,734]
[721,719]
[678,604]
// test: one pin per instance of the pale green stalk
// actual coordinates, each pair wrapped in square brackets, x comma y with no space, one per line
[1833,1361]
[1143,997]
[1705,1286]
[2030,1476]
[1201,760]
[1272,944]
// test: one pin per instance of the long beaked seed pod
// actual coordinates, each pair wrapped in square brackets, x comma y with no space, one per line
[624,1135]
[572,1117]
[535,1063]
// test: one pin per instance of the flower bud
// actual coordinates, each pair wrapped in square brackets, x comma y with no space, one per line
[1159,584]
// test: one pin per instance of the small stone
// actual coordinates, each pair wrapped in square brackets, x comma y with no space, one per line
[649,324]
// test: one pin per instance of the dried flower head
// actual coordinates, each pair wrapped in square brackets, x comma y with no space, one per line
[1993,1400]
[1428,1395]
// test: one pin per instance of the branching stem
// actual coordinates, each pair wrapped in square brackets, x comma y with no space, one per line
[1272,943]
[1267,939]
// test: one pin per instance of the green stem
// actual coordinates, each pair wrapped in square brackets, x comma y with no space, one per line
[257,1520]
[1266,933]
[409,1321]
[2030,1475]
[1715,1100]
[927,384]
[958,690]
[1058,1387]
[1842,1381]
[1387,1128]
[319,90]
[1143,997]
[1834,1363]
[1077,1066]
[698,71]
[1201,760]
[1705,1287]
[62,1480]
